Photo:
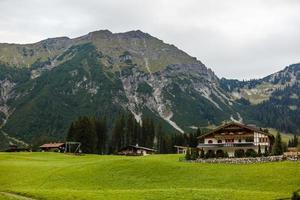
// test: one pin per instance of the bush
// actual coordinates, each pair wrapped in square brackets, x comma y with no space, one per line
[188,154]
[239,153]
[226,154]
[266,153]
[220,154]
[250,153]
[295,196]
[202,155]
[284,146]
[259,154]
[194,154]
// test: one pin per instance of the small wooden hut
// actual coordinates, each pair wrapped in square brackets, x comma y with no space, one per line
[136,150]
[54,147]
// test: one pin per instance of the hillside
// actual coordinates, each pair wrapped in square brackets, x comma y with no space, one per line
[60,176]
[101,74]
[46,85]
[272,101]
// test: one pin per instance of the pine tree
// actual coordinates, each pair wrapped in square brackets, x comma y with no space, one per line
[101,129]
[130,129]
[118,134]
[277,147]
[296,141]
[290,144]
[150,133]
[194,154]
[259,151]
[266,153]
[84,132]
[136,132]
[71,132]
[202,154]
[188,154]
[158,137]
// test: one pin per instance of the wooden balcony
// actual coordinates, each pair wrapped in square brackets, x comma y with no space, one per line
[233,144]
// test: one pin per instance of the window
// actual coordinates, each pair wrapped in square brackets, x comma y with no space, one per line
[263,139]
[219,141]
[210,141]
[229,140]
[240,140]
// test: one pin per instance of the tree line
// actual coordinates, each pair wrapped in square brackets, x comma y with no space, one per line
[96,137]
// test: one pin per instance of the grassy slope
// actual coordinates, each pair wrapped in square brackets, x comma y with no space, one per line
[285,136]
[58,176]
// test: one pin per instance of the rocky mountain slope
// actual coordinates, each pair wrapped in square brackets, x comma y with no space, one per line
[46,85]
[271,101]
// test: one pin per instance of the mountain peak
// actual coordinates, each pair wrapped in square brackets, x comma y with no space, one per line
[135,34]
[56,40]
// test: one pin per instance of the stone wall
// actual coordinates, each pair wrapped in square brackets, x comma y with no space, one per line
[249,160]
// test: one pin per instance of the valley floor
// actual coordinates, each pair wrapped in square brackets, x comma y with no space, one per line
[59,176]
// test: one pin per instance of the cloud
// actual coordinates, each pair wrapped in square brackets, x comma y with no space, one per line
[237,39]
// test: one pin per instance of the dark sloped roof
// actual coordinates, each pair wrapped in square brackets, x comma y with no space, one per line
[139,147]
[256,129]
[52,145]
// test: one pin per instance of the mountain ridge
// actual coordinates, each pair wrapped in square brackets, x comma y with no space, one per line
[46,85]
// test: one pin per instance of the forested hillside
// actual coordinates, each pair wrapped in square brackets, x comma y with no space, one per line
[272,101]
[47,85]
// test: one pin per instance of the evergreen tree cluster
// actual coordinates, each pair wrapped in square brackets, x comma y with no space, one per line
[91,132]
[96,137]
[280,113]
[127,131]
[294,142]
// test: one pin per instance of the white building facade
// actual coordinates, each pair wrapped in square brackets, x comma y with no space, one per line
[233,137]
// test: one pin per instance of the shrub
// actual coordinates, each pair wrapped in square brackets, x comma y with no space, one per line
[194,154]
[239,153]
[188,154]
[284,146]
[295,196]
[226,154]
[250,153]
[259,154]
[266,153]
[202,155]
[220,153]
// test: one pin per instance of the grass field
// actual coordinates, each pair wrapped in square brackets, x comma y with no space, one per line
[60,176]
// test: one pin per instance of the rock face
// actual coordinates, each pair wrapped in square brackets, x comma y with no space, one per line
[257,91]
[46,85]
[6,93]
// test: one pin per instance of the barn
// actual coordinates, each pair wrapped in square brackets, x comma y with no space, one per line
[136,150]
[54,147]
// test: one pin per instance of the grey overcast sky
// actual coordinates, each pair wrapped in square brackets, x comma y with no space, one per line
[236,38]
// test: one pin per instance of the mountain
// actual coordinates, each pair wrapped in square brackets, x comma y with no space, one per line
[272,101]
[46,85]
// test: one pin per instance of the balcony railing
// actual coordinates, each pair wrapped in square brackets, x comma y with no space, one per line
[239,144]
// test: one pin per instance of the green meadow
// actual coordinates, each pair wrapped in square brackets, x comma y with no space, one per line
[59,176]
